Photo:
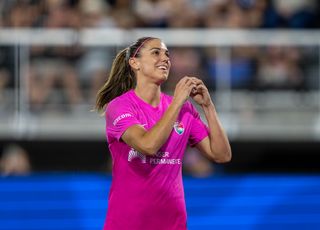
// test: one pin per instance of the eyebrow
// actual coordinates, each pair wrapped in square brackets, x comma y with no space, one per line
[156,48]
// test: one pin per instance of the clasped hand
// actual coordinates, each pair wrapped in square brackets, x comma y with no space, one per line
[192,87]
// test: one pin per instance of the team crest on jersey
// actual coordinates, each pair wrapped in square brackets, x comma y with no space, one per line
[178,127]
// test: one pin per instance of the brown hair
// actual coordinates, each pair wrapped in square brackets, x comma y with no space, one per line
[121,78]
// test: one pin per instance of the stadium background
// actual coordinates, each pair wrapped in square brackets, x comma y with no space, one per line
[260,60]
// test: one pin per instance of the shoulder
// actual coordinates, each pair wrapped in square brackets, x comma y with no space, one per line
[188,107]
[167,97]
[124,98]
[120,102]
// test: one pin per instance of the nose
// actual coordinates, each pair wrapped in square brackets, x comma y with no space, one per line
[165,58]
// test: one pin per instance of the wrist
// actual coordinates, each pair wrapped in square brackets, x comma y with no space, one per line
[176,103]
[209,109]
[208,105]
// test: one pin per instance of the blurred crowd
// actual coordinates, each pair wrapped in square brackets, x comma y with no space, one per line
[160,13]
[77,72]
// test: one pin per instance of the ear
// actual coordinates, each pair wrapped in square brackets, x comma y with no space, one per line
[134,63]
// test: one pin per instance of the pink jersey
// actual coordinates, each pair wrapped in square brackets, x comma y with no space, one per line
[147,192]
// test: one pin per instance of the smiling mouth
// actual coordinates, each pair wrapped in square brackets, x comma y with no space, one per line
[163,67]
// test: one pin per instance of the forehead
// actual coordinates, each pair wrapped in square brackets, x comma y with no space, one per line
[155,43]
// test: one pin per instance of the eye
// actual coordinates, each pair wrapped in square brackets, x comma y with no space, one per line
[156,52]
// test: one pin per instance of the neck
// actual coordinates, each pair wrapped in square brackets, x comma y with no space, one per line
[149,93]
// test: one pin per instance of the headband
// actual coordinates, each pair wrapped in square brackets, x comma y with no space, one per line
[137,50]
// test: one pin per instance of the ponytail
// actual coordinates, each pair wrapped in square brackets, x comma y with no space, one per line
[121,78]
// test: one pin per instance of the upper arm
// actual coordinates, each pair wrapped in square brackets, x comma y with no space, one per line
[119,118]
[213,152]
[198,130]
[204,147]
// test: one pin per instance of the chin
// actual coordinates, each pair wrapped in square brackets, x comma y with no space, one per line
[162,79]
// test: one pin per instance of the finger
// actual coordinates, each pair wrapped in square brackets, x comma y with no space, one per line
[182,81]
[195,79]
[186,78]
[194,90]
[188,81]
[199,82]
[192,81]
[201,87]
[191,85]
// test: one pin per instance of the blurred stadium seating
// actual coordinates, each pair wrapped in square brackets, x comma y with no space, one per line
[248,112]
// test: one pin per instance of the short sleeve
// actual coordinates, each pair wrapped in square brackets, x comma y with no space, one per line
[199,130]
[119,117]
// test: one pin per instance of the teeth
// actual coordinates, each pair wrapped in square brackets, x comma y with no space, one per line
[162,67]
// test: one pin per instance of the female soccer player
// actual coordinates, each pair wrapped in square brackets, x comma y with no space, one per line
[148,132]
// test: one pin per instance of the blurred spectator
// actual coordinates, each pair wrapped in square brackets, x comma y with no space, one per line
[123,14]
[234,14]
[221,14]
[19,13]
[92,66]
[241,68]
[278,68]
[51,66]
[152,13]
[6,70]
[121,4]
[96,14]
[310,66]
[124,18]
[14,161]
[183,15]
[4,11]
[253,12]
[291,14]
[4,79]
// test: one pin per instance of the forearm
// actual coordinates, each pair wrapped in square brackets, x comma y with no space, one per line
[219,143]
[154,138]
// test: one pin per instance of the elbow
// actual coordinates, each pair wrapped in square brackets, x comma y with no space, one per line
[148,147]
[224,157]
[145,147]
[149,150]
